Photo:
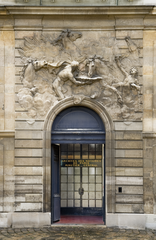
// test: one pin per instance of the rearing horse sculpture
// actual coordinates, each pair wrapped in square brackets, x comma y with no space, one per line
[94,70]
[29,72]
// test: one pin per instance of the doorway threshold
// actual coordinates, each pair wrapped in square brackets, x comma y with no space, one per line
[80,220]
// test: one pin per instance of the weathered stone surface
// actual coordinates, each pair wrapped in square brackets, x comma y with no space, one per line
[29,134]
[28,171]
[129,162]
[129,22]
[28,197]
[129,171]
[129,153]
[26,22]
[128,135]
[129,144]
[33,207]
[28,189]
[91,22]
[121,198]
[129,189]
[1,177]
[96,83]
[28,161]
[129,180]
[28,143]
[131,126]
[115,76]
[129,208]
[28,152]
[133,34]
[30,124]
[28,179]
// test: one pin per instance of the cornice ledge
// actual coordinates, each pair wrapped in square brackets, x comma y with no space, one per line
[44,10]
[3,11]
[7,133]
[149,135]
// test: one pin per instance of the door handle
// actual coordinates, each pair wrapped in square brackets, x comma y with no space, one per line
[81,191]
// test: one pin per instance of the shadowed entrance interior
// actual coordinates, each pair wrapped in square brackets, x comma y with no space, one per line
[78,137]
[65,219]
[81,179]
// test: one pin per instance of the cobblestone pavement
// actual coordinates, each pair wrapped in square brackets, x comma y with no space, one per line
[76,232]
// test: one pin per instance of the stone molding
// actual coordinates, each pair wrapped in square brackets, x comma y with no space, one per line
[149,135]
[109,158]
[33,10]
[7,133]
[136,17]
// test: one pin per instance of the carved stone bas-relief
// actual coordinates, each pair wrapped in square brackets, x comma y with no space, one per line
[57,66]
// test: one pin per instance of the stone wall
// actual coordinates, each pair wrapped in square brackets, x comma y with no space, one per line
[129,167]
[25,154]
[78,2]
[149,126]
[28,166]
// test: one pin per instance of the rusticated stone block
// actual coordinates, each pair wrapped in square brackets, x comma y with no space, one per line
[121,198]
[29,143]
[148,204]
[28,161]
[28,134]
[129,171]
[148,186]
[128,135]
[129,22]
[128,126]
[28,207]
[129,144]
[129,180]
[129,153]
[129,208]
[28,171]
[25,125]
[28,152]
[28,179]
[28,189]
[129,162]
[130,189]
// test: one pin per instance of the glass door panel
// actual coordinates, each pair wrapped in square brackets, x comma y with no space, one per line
[81,178]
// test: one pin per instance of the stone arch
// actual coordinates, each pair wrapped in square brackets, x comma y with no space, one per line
[109,150]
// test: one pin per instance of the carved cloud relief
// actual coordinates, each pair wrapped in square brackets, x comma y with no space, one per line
[57,66]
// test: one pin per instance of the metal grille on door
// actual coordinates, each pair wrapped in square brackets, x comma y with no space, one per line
[81,175]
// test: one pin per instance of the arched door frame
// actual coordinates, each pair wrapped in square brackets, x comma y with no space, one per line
[109,150]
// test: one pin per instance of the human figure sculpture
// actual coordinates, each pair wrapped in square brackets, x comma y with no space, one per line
[130,78]
[66,74]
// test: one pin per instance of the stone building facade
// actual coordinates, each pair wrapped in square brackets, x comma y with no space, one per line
[55,59]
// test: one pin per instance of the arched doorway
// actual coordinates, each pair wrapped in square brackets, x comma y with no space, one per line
[78,175]
[109,151]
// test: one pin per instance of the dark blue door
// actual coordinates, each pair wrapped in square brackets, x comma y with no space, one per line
[78,127]
[56,184]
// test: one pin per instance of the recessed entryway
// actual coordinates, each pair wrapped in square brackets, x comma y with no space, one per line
[78,179]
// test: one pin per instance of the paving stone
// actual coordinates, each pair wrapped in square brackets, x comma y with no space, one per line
[76,233]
